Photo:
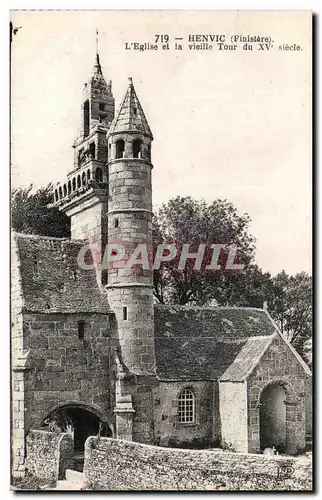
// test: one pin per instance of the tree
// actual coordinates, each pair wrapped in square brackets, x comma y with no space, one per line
[291,308]
[188,221]
[30,213]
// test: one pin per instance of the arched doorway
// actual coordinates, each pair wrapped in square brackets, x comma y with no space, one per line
[80,422]
[273,418]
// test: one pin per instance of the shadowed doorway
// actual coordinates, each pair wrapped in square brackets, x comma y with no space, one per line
[273,418]
[80,423]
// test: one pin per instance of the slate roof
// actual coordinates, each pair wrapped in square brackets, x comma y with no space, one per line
[49,283]
[247,359]
[130,116]
[200,343]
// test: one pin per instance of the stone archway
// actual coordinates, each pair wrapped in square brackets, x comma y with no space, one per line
[272,418]
[270,398]
[81,421]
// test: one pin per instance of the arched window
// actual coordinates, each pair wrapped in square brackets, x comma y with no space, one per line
[84,179]
[98,175]
[78,181]
[74,184]
[69,188]
[186,407]
[56,195]
[120,146]
[136,145]
[88,175]
[65,190]
[60,191]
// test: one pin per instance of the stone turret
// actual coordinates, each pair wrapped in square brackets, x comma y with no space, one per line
[130,287]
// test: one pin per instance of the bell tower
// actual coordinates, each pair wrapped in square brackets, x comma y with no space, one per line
[130,287]
[83,196]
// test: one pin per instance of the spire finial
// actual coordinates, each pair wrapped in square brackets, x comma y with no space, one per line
[96,41]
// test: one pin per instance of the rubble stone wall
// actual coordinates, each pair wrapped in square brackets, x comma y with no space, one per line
[122,465]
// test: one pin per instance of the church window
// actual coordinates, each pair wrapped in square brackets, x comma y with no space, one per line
[136,148]
[60,191]
[65,190]
[99,175]
[74,184]
[78,181]
[120,147]
[84,179]
[125,313]
[81,330]
[86,118]
[101,106]
[186,407]
[116,223]
[69,187]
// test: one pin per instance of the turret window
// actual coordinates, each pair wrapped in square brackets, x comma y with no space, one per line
[60,191]
[69,189]
[88,175]
[84,179]
[81,330]
[125,313]
[120,147]
[86,118]
[98,175]
[56,195]
[79,181]
[116,223]
[136,148]
[74,184]
[92,150]
[65,190]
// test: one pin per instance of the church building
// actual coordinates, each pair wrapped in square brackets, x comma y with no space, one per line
[93,345]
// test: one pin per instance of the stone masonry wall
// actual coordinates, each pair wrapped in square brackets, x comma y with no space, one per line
[64,368]
[174,433]
[233,411]
[278,365]
[49,454]
[17,380]
[121,465]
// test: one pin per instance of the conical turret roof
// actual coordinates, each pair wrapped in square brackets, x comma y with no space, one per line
[130,116]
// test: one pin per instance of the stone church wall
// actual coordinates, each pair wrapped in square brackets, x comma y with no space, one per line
[174,433]
[122,465]
[65,368]
[233,411]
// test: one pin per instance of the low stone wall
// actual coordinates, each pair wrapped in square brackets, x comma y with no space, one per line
[122,465]
[49,454]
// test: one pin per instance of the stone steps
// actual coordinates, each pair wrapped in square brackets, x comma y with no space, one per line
[74,481]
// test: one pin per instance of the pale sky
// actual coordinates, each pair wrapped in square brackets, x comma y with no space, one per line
[226,124]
